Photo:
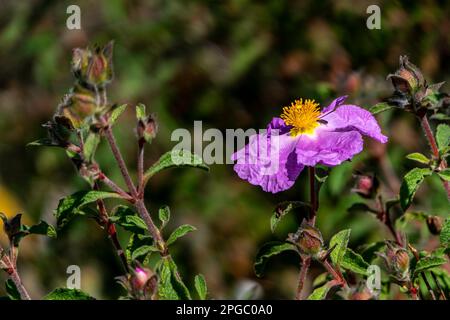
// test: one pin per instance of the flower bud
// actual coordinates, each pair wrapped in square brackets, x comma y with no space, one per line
[147,128]
[434,224]
[93,67]
[366,185]
[408,79]
[397,261]
[12,227]
[309,239]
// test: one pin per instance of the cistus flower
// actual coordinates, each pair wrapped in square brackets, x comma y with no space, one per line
[303,136]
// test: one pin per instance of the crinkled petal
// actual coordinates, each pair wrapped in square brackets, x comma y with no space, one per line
[334,104]
[269,162]
[350,117]
[328,148]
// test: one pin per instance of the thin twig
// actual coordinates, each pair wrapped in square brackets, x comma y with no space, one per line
[140,166]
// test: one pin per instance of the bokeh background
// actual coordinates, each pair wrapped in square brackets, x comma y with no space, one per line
[231,64]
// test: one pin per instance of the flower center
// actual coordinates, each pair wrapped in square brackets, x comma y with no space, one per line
[302,115]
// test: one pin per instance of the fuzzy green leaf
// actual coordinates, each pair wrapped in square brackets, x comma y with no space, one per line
[320,293]
[416,156]
[67,294]
[128,219]
[339,241]
[174,159]
[164,215]
[444,236]
[115,114]
[200,286]
[179,232]
[90,146]
[354,262]
[71,206]
[269,250]
[143,251]
[443,136]
[140,111]
[410,184]
[445,174]
[380,107]
[171,287]
[284,208]
[12,291]
[428,263]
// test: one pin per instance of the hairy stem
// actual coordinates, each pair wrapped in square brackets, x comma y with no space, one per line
[312,219]
[154,231]
[137,198]
[302,277]
[112,232]
[337,275]
[434,149]
[121,163]
[14,276]
[140,165]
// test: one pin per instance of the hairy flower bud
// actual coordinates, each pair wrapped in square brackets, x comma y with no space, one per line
[308,239]
[93,66]
[434,224]
[397,261]
[366,185]
[147,128]
[408,79]
[12,226]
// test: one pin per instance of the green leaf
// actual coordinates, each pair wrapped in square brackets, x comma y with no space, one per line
[171,287]
[428,263]
[380,107]
[179,232]
[45,142]
[164,215]
[339,241]
[128,219]
[369,251]
[140,243]
[410,184]
[416,156]
[445,174]
[12,291]
[115,114]
[443,136]
[71,206]
[67,294]
[143,251]
[354,262]
[42,228]
[173,159]
[440,116]
[320,293]
[284,208]
[269,250]
[200,286]
[444,236]
[90,145]
[140,111]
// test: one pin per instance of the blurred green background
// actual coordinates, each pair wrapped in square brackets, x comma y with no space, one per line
[231,64]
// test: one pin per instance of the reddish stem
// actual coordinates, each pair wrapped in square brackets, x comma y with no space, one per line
[435,150]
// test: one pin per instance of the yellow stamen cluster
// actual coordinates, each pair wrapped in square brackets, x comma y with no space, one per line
[302,115]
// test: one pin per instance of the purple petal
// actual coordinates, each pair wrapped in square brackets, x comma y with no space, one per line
[277,124]
[329,148]
[334,104]
[269,162]
[350,117]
